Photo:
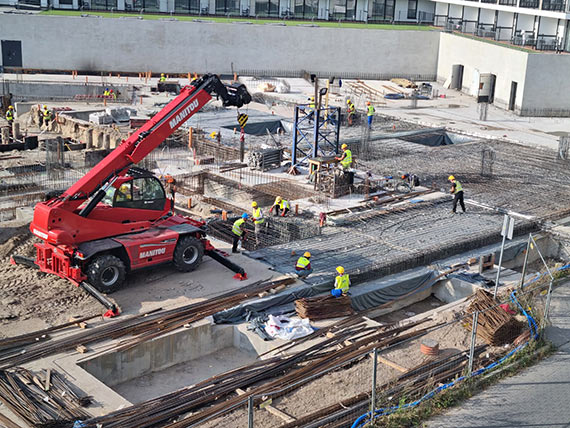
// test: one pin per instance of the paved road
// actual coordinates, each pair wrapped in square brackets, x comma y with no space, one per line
[538,397]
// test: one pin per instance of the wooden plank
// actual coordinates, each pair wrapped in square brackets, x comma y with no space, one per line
[391,364]
[48,380]
[240,391]
[287,418]
[81,349]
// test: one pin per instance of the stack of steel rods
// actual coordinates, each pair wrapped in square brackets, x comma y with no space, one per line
[323,307]
[42,399]
[142,327]
[494,325]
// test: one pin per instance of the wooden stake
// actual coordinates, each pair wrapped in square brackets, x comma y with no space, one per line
[48,380]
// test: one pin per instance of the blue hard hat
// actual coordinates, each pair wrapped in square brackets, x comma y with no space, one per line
[244,215]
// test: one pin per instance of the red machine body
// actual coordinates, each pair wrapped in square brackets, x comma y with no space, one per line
[117,217]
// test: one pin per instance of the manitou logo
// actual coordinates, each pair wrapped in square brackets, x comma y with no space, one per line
[180,117]
[152,253]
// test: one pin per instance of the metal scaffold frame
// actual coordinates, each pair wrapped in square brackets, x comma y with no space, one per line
[315,133]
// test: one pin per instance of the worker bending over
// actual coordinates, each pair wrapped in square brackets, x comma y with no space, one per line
[346,158]
[341,283]
[162,78]
[370,113]
[258,220]
[46,116]
[280,205]
[457,192]
[10,115]
[303,266]
[239,231]
[351,109]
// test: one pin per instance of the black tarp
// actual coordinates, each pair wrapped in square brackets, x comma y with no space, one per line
[260,128]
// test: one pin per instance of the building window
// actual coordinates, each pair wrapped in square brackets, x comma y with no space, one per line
[267,7]
[412,9]
[187,6]
[227,6]
[65,2]
[306,8]
[344,9]
[508,2]
[555,5]
[529,4]
[382,10]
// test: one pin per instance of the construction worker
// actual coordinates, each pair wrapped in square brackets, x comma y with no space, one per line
[112,94]
[370,113]
[239,231]
[351,109]
[258,220]
[10,115]
[47,116]
[341,283]
[280,205]
[457,192]
[124,193]
[311,109]
[303,266]
[162,78]
[346,158]
[106,92]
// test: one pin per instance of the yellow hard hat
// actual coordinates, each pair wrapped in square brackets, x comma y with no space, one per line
[340,270]
[123,187]
[213,134]
[344,146]
[162,74]
[254,204]
[11,108]
[45,106]
[348,101]
[307,255]
[312,98]
[278,199]
[451,177]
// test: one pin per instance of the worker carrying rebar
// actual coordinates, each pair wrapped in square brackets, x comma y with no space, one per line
[341,283]
[10,115]
[346,158]
[457,192]
[370,113]
[162,77]
[351,110]
[258,220]
[46,116]
[239,231]
[303,266]
[281,206]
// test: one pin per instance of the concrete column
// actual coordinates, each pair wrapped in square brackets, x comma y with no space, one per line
[99,140]
[107,142]
[89,139]
[120,4]
[5,134]
[16,130]
[163,5]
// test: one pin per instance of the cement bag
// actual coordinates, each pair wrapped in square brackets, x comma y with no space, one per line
[282,327]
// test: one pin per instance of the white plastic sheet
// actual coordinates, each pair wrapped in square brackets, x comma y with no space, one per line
[285,328]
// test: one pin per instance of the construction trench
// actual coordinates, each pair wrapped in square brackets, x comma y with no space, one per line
[192,348]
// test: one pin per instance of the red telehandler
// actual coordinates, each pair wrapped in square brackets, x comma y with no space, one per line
[118,218]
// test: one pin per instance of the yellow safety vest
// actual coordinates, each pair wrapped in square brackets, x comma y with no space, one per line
[284,203]
[303,262]
[347,161]
[9,115]
[258,215]
[237,227]
[106,93]
[342,282]
[47,114]
[458,187]
[351,108]
[371,110]
[162,79]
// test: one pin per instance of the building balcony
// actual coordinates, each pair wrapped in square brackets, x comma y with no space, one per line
[508,2]
[489,1]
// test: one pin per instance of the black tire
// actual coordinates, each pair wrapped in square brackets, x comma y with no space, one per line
[188,254]
[106,273]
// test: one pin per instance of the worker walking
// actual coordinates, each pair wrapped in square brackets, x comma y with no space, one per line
[10,115]
[281,206]
[162,78]
[346,158]
[311,109]
[351,109]
[457,192]
[370,113]
[303,266]
[258,220]
[106,92]
[341,283]
[239,231]
[47,116]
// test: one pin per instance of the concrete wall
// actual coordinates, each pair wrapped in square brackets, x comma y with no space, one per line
[482,57]
[546,90]
[132,45]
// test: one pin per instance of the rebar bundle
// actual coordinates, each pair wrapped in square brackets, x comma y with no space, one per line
[42,399]
[494,325]
[323,307]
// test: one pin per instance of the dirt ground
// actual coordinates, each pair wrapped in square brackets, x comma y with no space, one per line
[345,383]
[31,300]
